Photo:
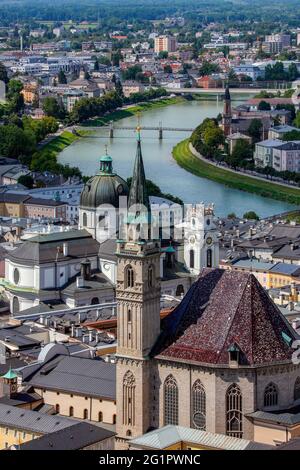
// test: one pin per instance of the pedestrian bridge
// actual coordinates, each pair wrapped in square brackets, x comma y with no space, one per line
[111,128]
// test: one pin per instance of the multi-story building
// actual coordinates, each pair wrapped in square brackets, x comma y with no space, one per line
[165,44]
[130,87]
[282,156]
[275,43]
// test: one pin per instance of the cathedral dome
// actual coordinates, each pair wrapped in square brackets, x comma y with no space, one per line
[104,188]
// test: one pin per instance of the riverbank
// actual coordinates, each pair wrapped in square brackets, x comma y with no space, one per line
[45,158]
[185,158]
[133,110]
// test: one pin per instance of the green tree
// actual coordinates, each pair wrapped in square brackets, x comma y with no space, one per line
[255,129]
[241,155]
[250,215]
[168,69]
[52,107]
[3,73]
[26,180]
[62,79]
[163,55]
[264,106]
[231,215]
[207,68]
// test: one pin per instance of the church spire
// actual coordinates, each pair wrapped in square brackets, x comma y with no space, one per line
[138,192]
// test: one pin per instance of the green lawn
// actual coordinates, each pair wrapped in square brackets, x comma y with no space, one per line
[185,159]
[132,111]
[58,144]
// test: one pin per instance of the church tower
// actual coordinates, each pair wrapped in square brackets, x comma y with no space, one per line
[138,299]
[227,113]
[201,244]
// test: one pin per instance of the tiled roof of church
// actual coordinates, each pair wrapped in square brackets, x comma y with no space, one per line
[224,308]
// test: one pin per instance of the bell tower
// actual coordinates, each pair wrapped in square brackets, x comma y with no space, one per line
[201,244]
[138,310]
[227,113]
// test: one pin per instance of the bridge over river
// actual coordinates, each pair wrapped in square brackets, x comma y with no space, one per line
[111,128]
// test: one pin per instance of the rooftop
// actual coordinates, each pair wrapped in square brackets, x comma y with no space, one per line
[78,375]
[221,308]
[76,437]
[20,418]
[170,435]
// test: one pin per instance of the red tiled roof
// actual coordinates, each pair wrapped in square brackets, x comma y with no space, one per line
[224,308]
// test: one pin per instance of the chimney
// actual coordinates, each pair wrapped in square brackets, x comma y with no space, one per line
[291,306]
[79,281]
[90,336]
[73,331]
[294,292]
[78,332]
[86,269]
[65,249]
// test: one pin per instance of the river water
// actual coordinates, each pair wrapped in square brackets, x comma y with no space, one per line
[159,164]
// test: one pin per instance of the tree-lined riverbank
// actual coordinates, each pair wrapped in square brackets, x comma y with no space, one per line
[185,158]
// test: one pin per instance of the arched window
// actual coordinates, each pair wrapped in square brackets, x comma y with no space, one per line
[271,395]
[192,259]
[16,305]
[114,419]
[297,389]
[129,315]
[171,401]
[100,416]
[84,219]
[95,301]
[85,413]
[71,411]
[57,408]
[16,276]
[129,277]
[128,433]
[179,290]
[129,399]
[234,415]
[151,276]
[209,258]
[198,406]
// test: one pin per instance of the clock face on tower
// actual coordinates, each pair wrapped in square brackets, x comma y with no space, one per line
[209,240]
[192,240]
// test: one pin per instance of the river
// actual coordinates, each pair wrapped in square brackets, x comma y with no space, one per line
[159,164]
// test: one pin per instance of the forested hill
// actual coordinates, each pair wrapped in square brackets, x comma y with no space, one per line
[130,10]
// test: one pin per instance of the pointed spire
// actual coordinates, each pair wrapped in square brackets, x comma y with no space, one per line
[227,93]
[138,191]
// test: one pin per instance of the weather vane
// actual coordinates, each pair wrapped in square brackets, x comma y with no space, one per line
[138,128]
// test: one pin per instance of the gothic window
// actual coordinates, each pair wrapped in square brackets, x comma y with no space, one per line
[192,259]
[198,406]
[100,416]
[114,418]
[297,389]
[271,395]
[84,219]
[71,411]
[150,276]
[57,408]
[170,401]
[209,258]
[129,315]
[129,277]
[85,413]
[179,290]
[129,399]
[234,416]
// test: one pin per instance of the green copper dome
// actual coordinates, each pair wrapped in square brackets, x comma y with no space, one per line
[10,374]
[104,188]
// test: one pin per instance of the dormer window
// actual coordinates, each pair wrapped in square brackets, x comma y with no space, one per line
[234,355]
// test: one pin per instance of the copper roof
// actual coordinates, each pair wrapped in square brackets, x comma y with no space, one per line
[221,308]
